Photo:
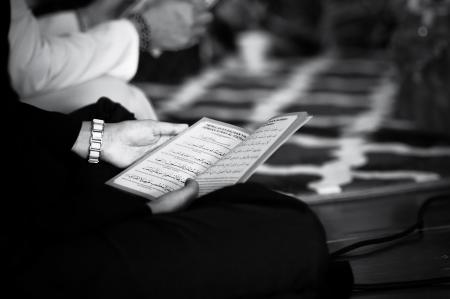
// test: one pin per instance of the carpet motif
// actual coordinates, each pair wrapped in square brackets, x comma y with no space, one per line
[351,148]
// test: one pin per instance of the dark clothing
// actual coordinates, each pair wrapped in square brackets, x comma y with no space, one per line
[296,24]
[240,242]
[68,235]
[172,67]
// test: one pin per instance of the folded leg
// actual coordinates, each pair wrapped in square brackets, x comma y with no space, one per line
[240,242]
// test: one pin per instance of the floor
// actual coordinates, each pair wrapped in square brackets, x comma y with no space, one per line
[364,174]
[412,258]
[352,146]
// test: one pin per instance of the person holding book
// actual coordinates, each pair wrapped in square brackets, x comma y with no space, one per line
[66,60]
[68,235]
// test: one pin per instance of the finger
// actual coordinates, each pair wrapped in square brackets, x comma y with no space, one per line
[198,32]
[161,140]
[149,146]
[211,3]
[200,5]
[165,128]
[148,132]
[156,143]
[204,18]
[176,200]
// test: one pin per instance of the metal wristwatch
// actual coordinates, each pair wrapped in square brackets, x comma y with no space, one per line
[96,140]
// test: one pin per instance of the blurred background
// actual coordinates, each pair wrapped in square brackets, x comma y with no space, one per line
[373,73]
[412,34]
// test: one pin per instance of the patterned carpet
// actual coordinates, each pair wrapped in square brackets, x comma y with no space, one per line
[351,149]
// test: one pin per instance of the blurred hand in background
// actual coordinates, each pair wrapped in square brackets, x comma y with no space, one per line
[176,25]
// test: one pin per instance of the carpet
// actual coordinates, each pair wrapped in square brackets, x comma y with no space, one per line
[353,148]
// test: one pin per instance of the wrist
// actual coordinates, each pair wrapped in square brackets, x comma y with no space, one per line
[81,145]
[144,31]
[108,139]
[96,140]
[90,142]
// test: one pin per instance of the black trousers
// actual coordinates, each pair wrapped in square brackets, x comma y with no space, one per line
[243,241]
[240,242]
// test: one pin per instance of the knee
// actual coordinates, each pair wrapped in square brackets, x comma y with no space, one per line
[288,219]
[281,219]
[307,244]
[256,194]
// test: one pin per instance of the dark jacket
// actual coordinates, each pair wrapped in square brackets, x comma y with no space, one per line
[48,193]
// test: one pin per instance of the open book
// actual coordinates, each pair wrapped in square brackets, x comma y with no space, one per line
[214,153]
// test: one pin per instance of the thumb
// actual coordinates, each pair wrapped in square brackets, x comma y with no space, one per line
[148,132]
[175,200]
[164,128]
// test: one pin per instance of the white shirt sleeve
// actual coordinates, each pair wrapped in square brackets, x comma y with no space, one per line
[40,62]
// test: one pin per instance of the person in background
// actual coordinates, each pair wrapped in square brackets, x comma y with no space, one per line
[68,60]
[293,27]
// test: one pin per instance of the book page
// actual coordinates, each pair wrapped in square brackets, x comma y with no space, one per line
[185,156]
[238,165]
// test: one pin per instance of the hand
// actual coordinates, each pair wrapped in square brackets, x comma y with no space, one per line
[175,200]
[176,25]
[241,15]
[125,142]
[99,11]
